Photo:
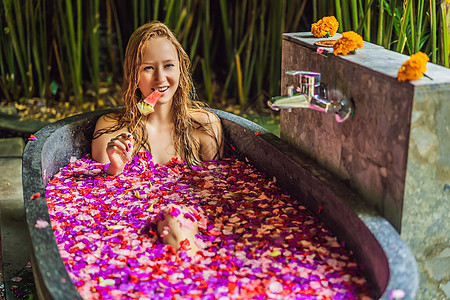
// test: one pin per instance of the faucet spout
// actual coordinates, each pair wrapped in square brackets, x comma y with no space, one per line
[289,102]
[343,109]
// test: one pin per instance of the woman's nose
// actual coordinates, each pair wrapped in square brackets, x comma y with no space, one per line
[159,74]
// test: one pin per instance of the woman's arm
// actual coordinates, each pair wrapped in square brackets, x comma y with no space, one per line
[115,147]
[210,135]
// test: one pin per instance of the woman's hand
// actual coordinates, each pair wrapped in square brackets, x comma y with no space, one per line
[119,150]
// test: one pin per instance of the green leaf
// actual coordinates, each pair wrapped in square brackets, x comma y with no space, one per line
[54,87]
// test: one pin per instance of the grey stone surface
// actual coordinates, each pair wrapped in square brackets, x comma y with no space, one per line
[15,242]
[10,179]
[14,234]
[24,127]
[11,147]
[444,254]
[388,262]
[429,290]
[10,111]
[437,268]
[446,289]
[426,209]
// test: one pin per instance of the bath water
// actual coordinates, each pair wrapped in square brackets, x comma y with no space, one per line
[258,243]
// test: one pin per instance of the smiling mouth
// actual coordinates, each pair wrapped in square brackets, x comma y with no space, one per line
[160,89]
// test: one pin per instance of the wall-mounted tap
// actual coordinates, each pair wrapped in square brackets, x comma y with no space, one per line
[312,94]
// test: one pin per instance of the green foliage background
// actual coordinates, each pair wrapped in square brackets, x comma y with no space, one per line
[67,49]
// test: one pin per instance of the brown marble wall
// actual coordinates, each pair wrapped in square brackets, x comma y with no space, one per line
[369,149]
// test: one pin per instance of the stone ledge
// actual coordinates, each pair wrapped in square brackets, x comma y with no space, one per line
[11,147]
[370,57]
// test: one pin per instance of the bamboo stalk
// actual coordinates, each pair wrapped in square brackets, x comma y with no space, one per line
[28,42]
[298,15]
[337,4]
[390,26]
[69,35]
[187,28]
[45,51]
[360,27]
[156,9]
[205,62]
[7,55]
[445,15]
[362,23]
[412,39]
[380,23]
[346,16]
[142,12]
[93,45]
[242,99]
[260,48]
[354,7]
[32,51]
[59,64]
[315,10]
[249,57]
[419,26]
[194,45]
[119,35]
[227,30]
[404,24]
[181,19]
[433,25]
[168,18]
[368,19]
[135,9]
[16,45]
[79,54]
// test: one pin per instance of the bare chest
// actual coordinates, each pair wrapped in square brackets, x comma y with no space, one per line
[161,144]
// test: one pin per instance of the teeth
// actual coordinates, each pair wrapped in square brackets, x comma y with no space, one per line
[163,89]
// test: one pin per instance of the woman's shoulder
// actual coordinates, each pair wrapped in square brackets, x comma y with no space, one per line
[107,120]
[204,116]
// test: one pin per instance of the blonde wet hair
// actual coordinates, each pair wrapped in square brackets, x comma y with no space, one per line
[184,100]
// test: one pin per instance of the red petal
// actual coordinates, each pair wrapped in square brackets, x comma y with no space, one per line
[37,195]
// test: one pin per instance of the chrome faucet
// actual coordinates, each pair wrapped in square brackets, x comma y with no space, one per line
[312,94]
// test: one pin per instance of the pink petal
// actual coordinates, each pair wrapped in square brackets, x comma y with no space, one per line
[41,223]
[187,223]
[397,294]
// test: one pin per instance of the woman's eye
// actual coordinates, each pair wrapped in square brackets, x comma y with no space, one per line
[148,68]
[170,65]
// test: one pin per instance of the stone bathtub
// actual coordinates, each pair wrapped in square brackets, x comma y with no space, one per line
[387,262]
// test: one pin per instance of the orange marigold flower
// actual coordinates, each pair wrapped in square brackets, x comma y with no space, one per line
[414,67]
[327,26]
[350,41]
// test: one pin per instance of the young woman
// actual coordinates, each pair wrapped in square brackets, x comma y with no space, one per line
[178,128]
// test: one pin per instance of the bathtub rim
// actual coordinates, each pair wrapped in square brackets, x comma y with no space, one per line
[402,267]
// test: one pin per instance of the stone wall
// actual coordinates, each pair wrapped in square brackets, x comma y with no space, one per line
[426,209]
[395,149]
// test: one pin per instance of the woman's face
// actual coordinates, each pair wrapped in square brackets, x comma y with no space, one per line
[160,69]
